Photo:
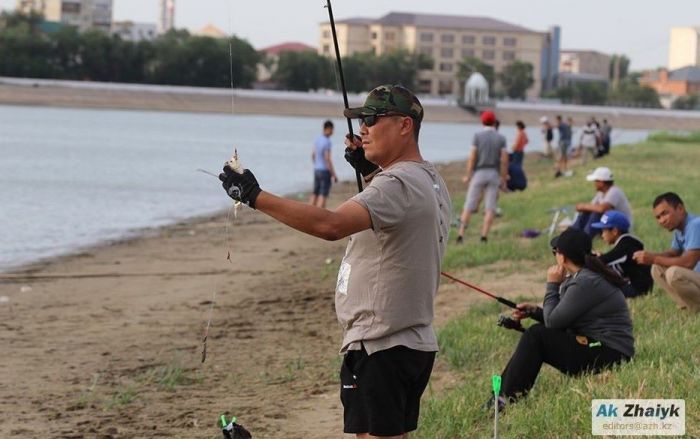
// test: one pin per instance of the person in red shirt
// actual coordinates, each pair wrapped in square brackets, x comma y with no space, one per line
[519,143]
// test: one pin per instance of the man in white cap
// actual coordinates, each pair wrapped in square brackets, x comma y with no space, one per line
[607,197]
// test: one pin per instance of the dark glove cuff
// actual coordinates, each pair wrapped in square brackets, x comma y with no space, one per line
[356,158]
[254,192]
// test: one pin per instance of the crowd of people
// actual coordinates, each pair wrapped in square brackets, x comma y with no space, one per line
[584,324]
[594,141]
[398,229]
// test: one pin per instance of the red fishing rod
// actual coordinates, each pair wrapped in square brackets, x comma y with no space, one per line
[504,301]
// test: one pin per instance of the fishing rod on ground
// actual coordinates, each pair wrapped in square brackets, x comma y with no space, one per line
[342,83]
[503,321]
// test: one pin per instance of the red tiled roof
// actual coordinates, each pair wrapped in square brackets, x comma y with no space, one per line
[287,47]
[440,21]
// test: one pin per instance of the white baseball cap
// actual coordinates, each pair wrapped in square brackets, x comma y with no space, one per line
[600,174]
[544,119]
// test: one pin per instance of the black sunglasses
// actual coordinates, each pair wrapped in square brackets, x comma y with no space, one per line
[372,119]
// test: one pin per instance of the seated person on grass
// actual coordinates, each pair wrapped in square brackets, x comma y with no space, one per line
[517,180]
[614,228]
[607,197]
[677,270]
[585,325]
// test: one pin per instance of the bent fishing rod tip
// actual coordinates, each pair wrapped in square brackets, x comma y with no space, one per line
[207,172]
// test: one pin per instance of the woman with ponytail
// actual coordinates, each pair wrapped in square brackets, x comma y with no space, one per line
[584,326]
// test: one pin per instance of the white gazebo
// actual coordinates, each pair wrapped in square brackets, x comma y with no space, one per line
[476,90]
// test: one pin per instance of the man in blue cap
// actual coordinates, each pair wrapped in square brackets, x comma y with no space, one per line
[614,227]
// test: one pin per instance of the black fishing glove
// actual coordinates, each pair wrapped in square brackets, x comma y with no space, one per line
[241,187]
[356,158]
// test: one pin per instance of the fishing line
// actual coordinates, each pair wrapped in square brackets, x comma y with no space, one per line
[234,207]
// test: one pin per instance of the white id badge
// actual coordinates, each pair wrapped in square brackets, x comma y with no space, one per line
[343,276]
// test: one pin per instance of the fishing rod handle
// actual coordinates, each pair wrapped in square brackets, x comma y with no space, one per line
[507,302]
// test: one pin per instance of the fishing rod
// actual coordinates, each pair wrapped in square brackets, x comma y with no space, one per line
[504,301]
[342,83]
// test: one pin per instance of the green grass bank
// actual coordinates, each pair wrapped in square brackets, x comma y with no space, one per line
[667,362]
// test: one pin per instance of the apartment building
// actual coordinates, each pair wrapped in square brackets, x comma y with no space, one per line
[680,82]
[447,40]
[684,47]
[84,14]
[166,15]
[131,31]
[583,66]
[27,6]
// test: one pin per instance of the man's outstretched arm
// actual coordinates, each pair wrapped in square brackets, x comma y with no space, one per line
[350,217]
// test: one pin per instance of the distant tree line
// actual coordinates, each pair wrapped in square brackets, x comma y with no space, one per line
[176,58]
[29,49]
[513,81]
[362,71]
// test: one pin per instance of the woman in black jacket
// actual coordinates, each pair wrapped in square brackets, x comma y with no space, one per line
[584,326]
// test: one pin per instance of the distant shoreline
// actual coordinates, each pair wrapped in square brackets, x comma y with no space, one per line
[76,94]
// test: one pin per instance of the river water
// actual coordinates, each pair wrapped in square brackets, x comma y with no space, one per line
[76,177]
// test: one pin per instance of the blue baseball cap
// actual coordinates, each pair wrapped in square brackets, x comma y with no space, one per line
[613,219]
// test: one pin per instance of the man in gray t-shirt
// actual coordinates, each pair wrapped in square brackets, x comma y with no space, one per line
[607,197]
[384,296]
[487,170]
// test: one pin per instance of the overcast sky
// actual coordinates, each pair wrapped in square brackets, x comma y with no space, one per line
[636,28]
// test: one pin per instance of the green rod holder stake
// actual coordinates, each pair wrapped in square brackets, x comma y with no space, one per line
[496,385]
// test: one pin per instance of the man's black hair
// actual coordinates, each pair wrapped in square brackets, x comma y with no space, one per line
[327,124]
[671,198]
[416,129]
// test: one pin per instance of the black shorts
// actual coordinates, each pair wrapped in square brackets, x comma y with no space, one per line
[381,392]
[322,183]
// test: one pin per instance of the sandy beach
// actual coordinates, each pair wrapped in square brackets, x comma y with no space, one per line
[107,342]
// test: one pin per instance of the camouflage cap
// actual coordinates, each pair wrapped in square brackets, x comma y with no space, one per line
[388,99]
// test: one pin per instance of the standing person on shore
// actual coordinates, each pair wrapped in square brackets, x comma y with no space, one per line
[547,135]
[605,132]
[564,145]
[589,140]
[487,171]
[584,324]
[323,166]
[384,298]
[677,270]
[519,143]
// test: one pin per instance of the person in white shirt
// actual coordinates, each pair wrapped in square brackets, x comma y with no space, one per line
[607,197]
[590,137]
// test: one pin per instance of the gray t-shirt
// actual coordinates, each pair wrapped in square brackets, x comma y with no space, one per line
[587,304]
[489,144]
[390,274]
[617,199]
